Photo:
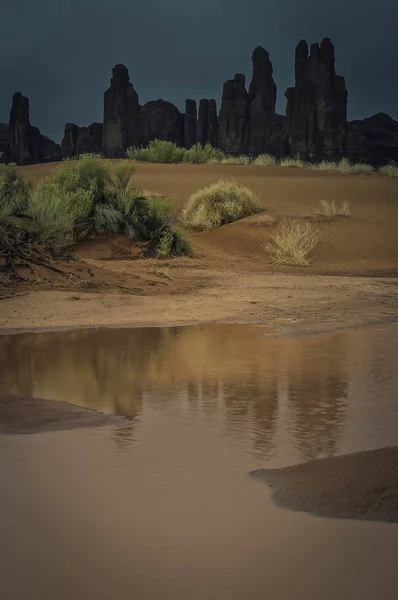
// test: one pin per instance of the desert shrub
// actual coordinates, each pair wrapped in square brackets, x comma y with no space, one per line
[265,160]
[293,162]
[123,172]
[14,192]
[83,198]
[218,204]
[203,154]
[89,172]
[342,166]
[331,210]
[391,170]
[292,242]
[158,151]
[235,160]
[53,212]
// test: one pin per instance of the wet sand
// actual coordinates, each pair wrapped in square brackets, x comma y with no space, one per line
[20,415]
[362,485]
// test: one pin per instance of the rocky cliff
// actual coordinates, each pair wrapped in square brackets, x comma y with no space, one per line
[121,125]
[81,140]
[316,113]
[315,126]
[25,144]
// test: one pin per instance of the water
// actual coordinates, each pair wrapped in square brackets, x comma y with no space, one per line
[162,507]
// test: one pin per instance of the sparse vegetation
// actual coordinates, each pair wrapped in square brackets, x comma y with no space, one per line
[203,154]
[80,199]
[391,170]
[14,192]
[235,160]
[331,210]
[342,166]
[265,160]
[293,242]
[293,162]
[158,151]
[218,204]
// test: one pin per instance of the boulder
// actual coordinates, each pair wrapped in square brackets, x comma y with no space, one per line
[25,144]
[163,121]
[233,116]
[121,127]
[316,114]
[81,140]
[190,118]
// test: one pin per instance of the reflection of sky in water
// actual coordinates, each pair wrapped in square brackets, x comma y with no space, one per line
[280,400]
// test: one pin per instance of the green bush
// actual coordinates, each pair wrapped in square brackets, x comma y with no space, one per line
[14,192]
[391,170]
[203,154]
[218,204]
[54,210]
[342,166]
[84,197]
[159,151]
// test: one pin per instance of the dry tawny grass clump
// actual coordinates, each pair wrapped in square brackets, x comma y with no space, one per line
[331,210]
[293,242]
[265,160]
[217,204]
[391,170]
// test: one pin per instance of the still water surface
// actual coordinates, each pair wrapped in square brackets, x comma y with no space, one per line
[162,508]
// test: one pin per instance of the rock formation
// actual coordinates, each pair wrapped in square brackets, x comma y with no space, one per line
[190,118]
[316,114]
[3,136]
[262,101]
[233,116]
[163,121]
[373,140]
[121,126]
[25,144]
[207,123]
[81,140]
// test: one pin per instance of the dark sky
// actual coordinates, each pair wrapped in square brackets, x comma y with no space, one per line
[60,53]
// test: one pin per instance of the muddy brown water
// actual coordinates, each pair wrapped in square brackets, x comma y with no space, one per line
[162,507]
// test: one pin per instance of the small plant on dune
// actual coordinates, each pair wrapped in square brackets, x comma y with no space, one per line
[391,170]
[159,151]
[14,192]
[240,159]
[293,242]
[293,162]
[265,160]
[218,204]
[199,154]
[331,210]
[342,166]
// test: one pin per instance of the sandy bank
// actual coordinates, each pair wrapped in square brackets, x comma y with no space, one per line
[34,415]
[363,486]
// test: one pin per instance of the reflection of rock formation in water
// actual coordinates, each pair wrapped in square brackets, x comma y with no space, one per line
[228,375]
[317,381]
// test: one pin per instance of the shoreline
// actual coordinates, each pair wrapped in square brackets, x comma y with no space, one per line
[291,305]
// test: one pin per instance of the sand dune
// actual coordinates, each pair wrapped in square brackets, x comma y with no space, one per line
[366,242]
